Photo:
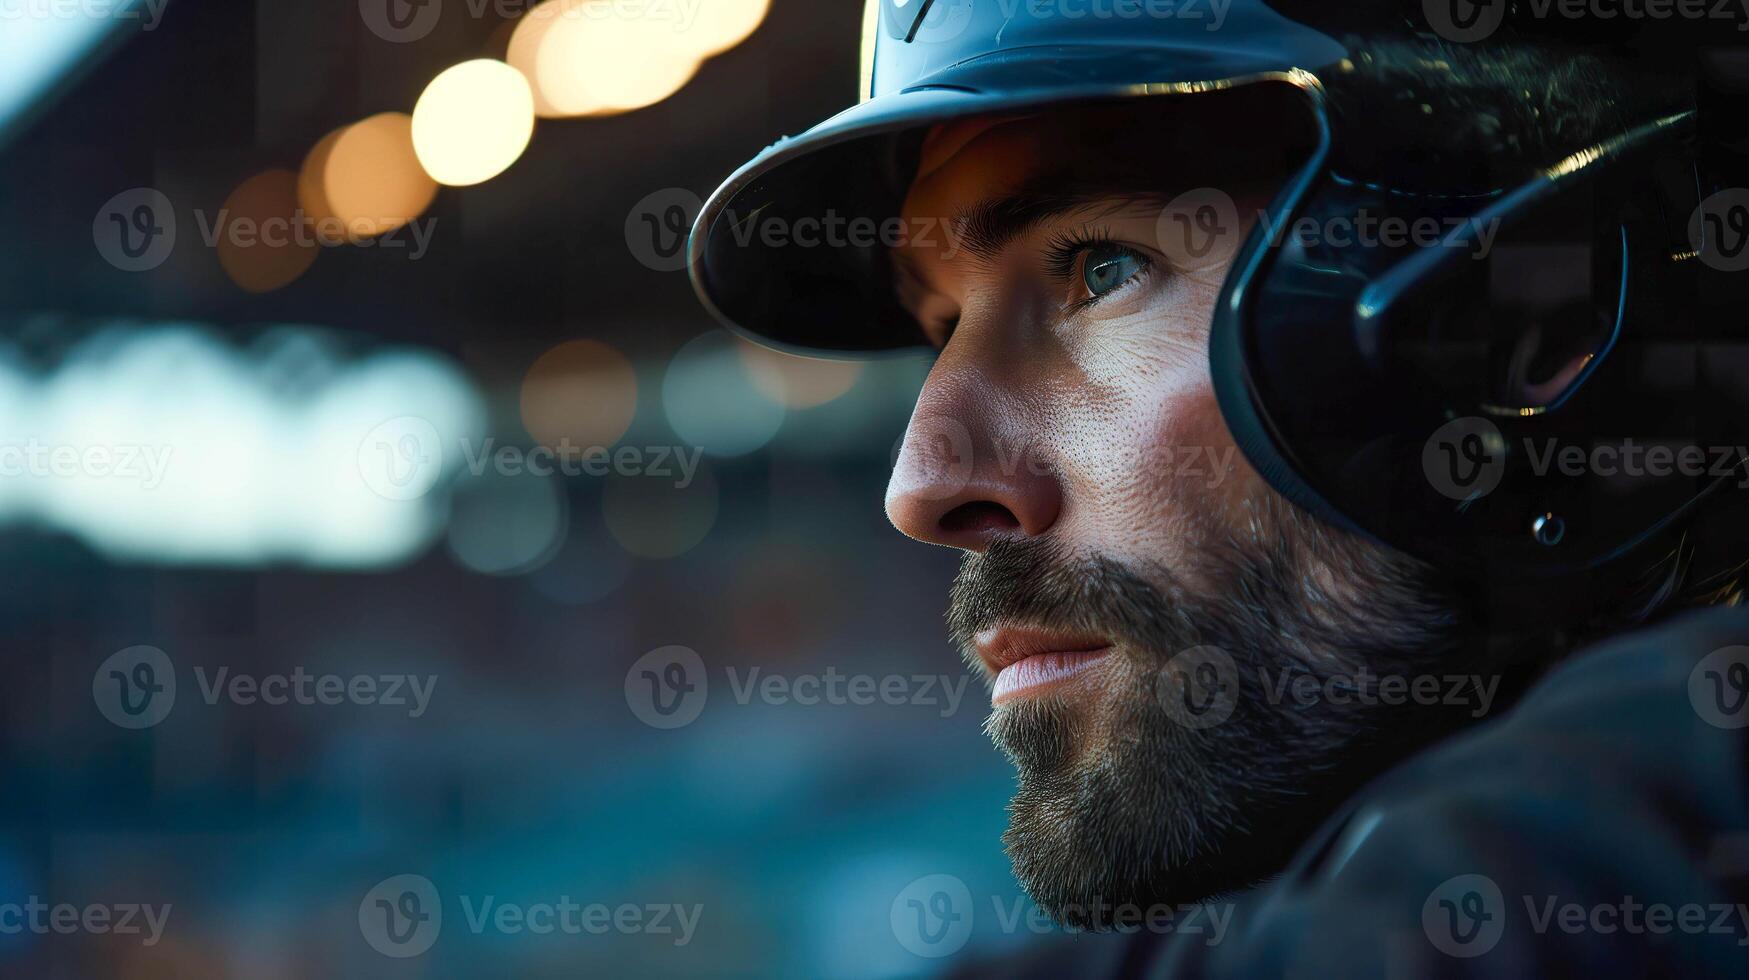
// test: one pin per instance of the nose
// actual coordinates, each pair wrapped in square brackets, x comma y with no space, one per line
[970,471]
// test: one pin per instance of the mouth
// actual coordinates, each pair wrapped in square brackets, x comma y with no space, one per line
[1029,662]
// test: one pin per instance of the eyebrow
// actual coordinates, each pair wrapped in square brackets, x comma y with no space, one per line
[987,228]
[990,226]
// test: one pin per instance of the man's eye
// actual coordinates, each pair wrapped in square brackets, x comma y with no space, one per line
[1108,265]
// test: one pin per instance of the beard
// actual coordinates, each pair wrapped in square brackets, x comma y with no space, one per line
[1136,798]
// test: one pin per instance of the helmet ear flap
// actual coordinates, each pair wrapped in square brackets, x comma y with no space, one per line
[1230,376]
[1552,363]
[1229,363]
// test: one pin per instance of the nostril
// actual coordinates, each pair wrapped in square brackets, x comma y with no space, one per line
[978,516]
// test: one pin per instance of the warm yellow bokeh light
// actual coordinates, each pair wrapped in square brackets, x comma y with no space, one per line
[313,191]
[582,392]
[657,76]
[719,25]
[525,47]
[584,59]
[263,244]
[372,181]
[798,382]
[472,122]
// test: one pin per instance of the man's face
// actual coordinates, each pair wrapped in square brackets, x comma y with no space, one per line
[1132,588]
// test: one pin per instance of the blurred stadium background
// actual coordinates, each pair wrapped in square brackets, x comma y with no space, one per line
[494,189]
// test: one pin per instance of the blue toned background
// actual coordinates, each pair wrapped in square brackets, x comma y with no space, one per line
[267,545]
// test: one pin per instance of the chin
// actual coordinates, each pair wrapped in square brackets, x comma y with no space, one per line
[1119,808]
[1125,800]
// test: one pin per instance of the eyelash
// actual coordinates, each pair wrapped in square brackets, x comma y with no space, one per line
[1062,254]
[1064,251]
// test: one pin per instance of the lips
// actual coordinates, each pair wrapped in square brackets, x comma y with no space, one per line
[1027,661]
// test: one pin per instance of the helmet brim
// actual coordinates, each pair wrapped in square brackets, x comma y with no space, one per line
[829,292]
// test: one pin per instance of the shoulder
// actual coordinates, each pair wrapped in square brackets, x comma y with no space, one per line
[1644,726]
[1616,784]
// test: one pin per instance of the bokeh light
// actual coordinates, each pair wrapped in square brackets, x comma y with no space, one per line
[583,392]
[259,458]
[584,58]
[589,567]
[654,518]
[313,190]
[372,180]
[712,400]
[799,382]
[523,53]
[719,25]
[507,524]
[263,242]
[472,122]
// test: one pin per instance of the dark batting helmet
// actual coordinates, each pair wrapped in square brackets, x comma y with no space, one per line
[1431,395]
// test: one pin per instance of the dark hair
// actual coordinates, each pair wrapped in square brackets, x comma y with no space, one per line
[1439,116]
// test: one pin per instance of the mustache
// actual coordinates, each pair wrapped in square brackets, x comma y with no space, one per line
[1253,599]
[1039,583]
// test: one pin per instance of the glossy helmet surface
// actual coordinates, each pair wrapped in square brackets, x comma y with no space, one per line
[1428,394]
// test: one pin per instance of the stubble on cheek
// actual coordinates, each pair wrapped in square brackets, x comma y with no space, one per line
[1172,487]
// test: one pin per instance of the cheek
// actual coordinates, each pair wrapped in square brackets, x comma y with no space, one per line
[1176,491]
[1153,471]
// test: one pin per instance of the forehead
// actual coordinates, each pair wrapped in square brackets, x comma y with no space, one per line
[971,160]
[1229,140]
